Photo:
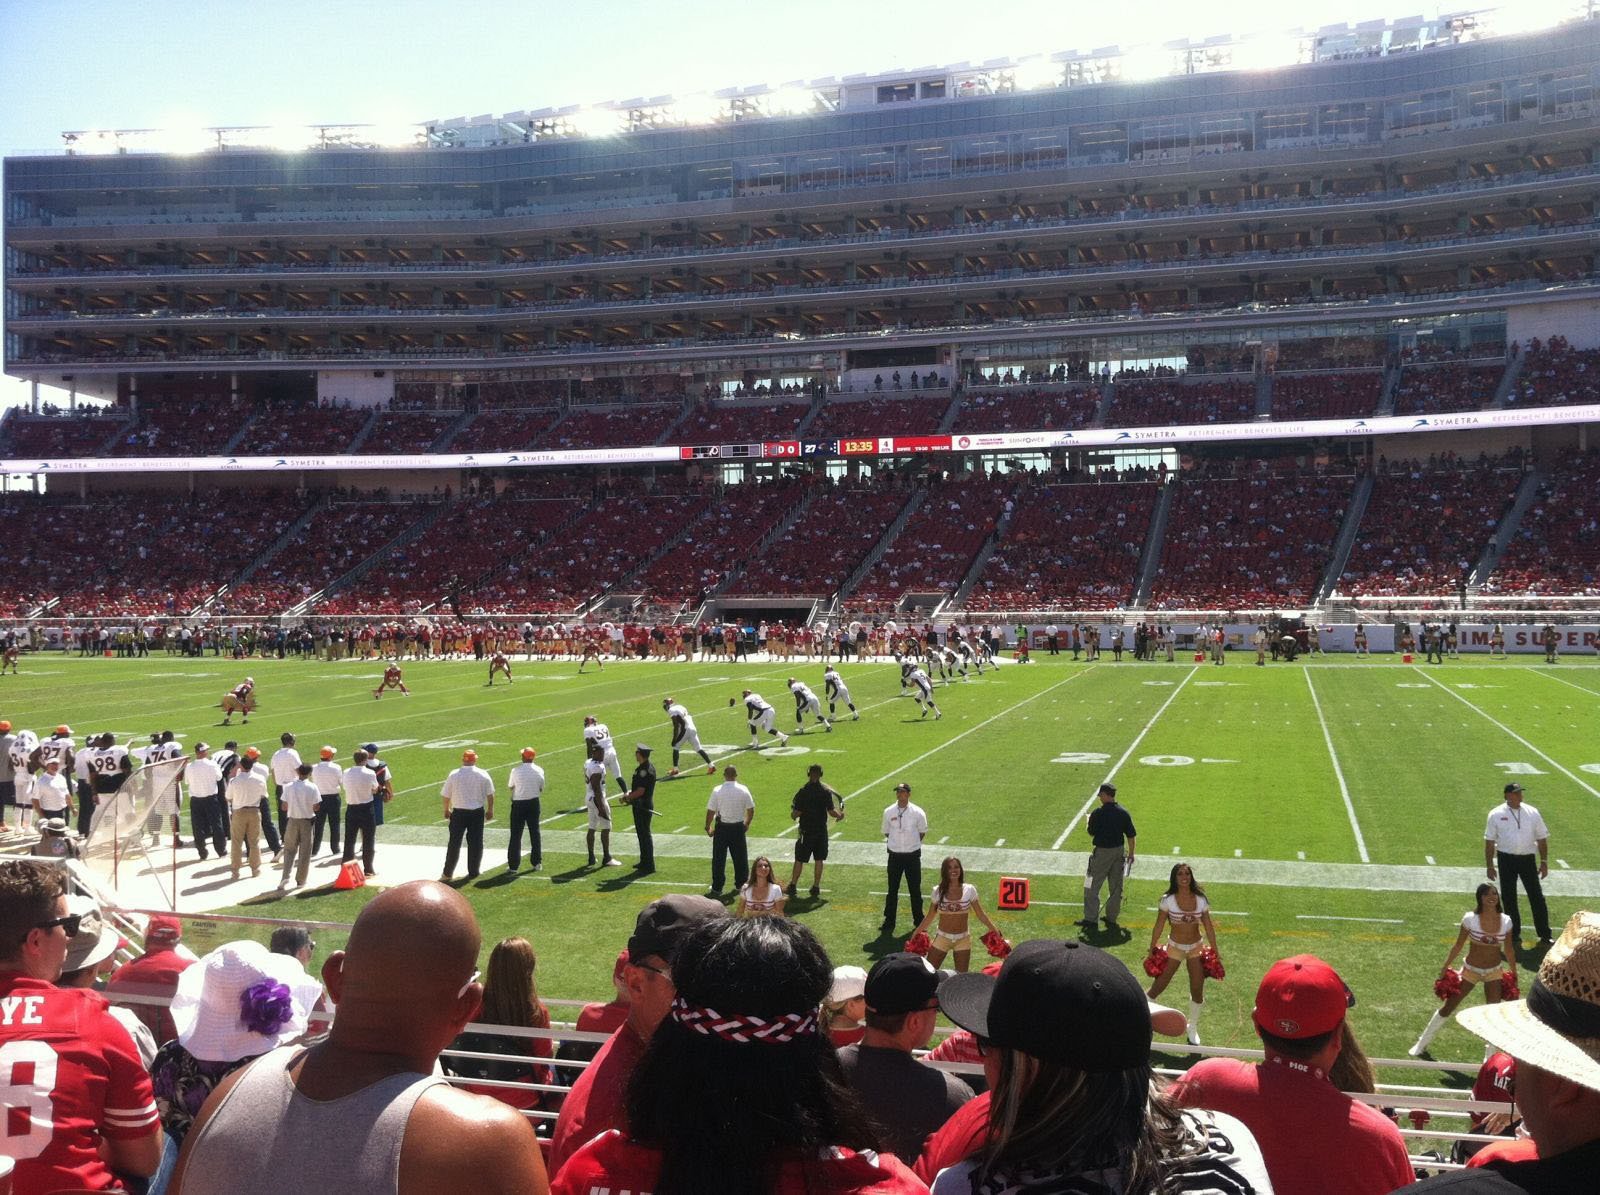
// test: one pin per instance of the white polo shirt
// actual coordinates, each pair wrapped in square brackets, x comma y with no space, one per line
[203,777]
[730,800]
[1515,831]
[904,828]
[248,788]
[52,792]
[527,782]
[327,776]
[301,799]
[360,782]
[468,787]
[285,761]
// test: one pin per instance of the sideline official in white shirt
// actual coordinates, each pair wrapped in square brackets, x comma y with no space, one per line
[904,827]
[1514,832]
[527,787]
[468,801]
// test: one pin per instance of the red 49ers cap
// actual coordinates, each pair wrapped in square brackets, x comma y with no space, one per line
[1301,997]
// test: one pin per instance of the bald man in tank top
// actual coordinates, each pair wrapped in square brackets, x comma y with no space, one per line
[363,1111]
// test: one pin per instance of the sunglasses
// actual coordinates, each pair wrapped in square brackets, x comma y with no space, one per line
[468,984]
[70,924]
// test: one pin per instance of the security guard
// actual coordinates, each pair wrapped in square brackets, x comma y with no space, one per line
[641,796]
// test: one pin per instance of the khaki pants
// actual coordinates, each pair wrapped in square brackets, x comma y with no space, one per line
[1105,864]
[297,848]
[244,830]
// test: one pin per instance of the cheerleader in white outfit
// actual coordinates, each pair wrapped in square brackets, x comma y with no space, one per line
[954,902]
[1486,933]
[1184,911]
[763,896]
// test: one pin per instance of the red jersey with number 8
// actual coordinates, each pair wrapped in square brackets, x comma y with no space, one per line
[69,1073]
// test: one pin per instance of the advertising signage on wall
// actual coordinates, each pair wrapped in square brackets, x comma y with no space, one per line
[1035,441]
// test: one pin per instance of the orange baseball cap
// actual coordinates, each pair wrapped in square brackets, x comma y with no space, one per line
[252,752]
[527,752]
[4,726]
[327,753]
[63,729]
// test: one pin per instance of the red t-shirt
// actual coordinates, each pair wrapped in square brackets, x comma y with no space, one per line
[847,1037]
[957,1139]
[1512,1149]
[598,1099]
[152,974]
[69,1074]
[611,1164]
[1302,1122]
[602,1018]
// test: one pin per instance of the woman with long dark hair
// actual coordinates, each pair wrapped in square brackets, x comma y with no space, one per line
[953,902]
[739,1091]
[1184,909]
[1074,1105]
[762,896]
[510,997]
[1491,953]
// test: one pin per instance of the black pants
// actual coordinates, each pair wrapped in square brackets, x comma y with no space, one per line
[727,838]
[1523,869]
[86,803]
[269,827]
[524,815]
[327,815]
[277,799]
[358,820]
[207,822]
[468,824]
[643,815]
[905,865]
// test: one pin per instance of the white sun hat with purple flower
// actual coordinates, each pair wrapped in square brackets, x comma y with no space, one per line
[241,1000]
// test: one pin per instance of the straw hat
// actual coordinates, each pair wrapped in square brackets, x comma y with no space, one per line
[1557,1027]
[241,1000]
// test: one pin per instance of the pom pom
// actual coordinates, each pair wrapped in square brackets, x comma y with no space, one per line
[1508,986]
[1447,985]
[1211,964]
[1419,1118]
[265,1007]
[919,943]
[994,942]
[1155,962]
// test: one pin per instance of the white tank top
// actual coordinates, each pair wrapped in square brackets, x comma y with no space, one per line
[1169,905]
[955,904]
[1473,924]
[263,1133]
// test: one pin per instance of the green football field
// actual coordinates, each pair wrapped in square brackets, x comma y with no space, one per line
[1335,807]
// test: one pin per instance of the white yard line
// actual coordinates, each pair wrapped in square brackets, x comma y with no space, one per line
[1330,917]
[1588,788]
[1561,681]
[1132,747]
[1338,772]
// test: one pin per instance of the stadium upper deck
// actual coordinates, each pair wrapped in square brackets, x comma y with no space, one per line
[1405,181]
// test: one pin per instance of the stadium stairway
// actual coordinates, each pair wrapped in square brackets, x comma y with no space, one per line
[1108,395]
[291,536]
[1527,494]
[958,395]
[671,429]
[1508,382]
[361,436]
[442,444]
[1391,387]
[1346,540]
[419,527]
[811,414]
[625,583]
[958,600]
[239,437]
[497,571]
[1264,395]
[764,545]
[859,573]
[1150,557]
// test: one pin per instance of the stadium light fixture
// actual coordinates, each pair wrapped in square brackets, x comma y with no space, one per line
[395,134]
[598,122]
[791,101]
[1267,52]
[1033,74]
[699,109]
[185,140]
[1145,62]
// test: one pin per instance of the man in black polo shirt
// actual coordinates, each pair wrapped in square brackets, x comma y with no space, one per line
[1108,826]
[812,806]
[641,796]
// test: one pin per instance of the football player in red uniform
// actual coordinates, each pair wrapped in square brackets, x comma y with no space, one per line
[591,651]
[391,680]
[499,662]
[241,699]
[80,1102]
[13,653]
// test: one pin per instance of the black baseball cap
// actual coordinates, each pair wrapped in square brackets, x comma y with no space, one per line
[1513,787]
[662,925]
[901,982]
[1064,1002]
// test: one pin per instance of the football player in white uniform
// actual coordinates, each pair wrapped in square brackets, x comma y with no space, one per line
[596,731]
[110,766]
[684,736]
[761,716]
[922,690]
[595,803]
[833,685]
[164,748]
[23,768]
[907,667]
[805,701]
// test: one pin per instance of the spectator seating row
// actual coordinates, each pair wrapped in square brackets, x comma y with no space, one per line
[816,555]
[1423,532]
[1557,545]
[304,429]
[1555,374]
[612,427]
[1075,546]
[406,432]
[724,534]
[1437,389]
[940,541]
[50,437]
[1249,543]
[743,423]
[1027,410]
[195,428]
[1167,402]
[880,417]
[1344,395]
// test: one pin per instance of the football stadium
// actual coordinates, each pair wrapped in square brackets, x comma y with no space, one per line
[1141,502]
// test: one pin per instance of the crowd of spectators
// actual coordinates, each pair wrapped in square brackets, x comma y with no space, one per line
[1344,395]
[1026,410]
[1072,546]
[723,536]
[630,425]
[50,437]
[1453,386]
[1249,543]
[715,423]
[879,417]
[817,554]
[1554,374]
[1556,548]
[304,428]
[1424,531]
[504,431]
[940,540]
[1166,403]
[405,432]
[198,428]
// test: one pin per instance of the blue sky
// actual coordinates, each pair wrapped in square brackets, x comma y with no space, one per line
[87,64]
